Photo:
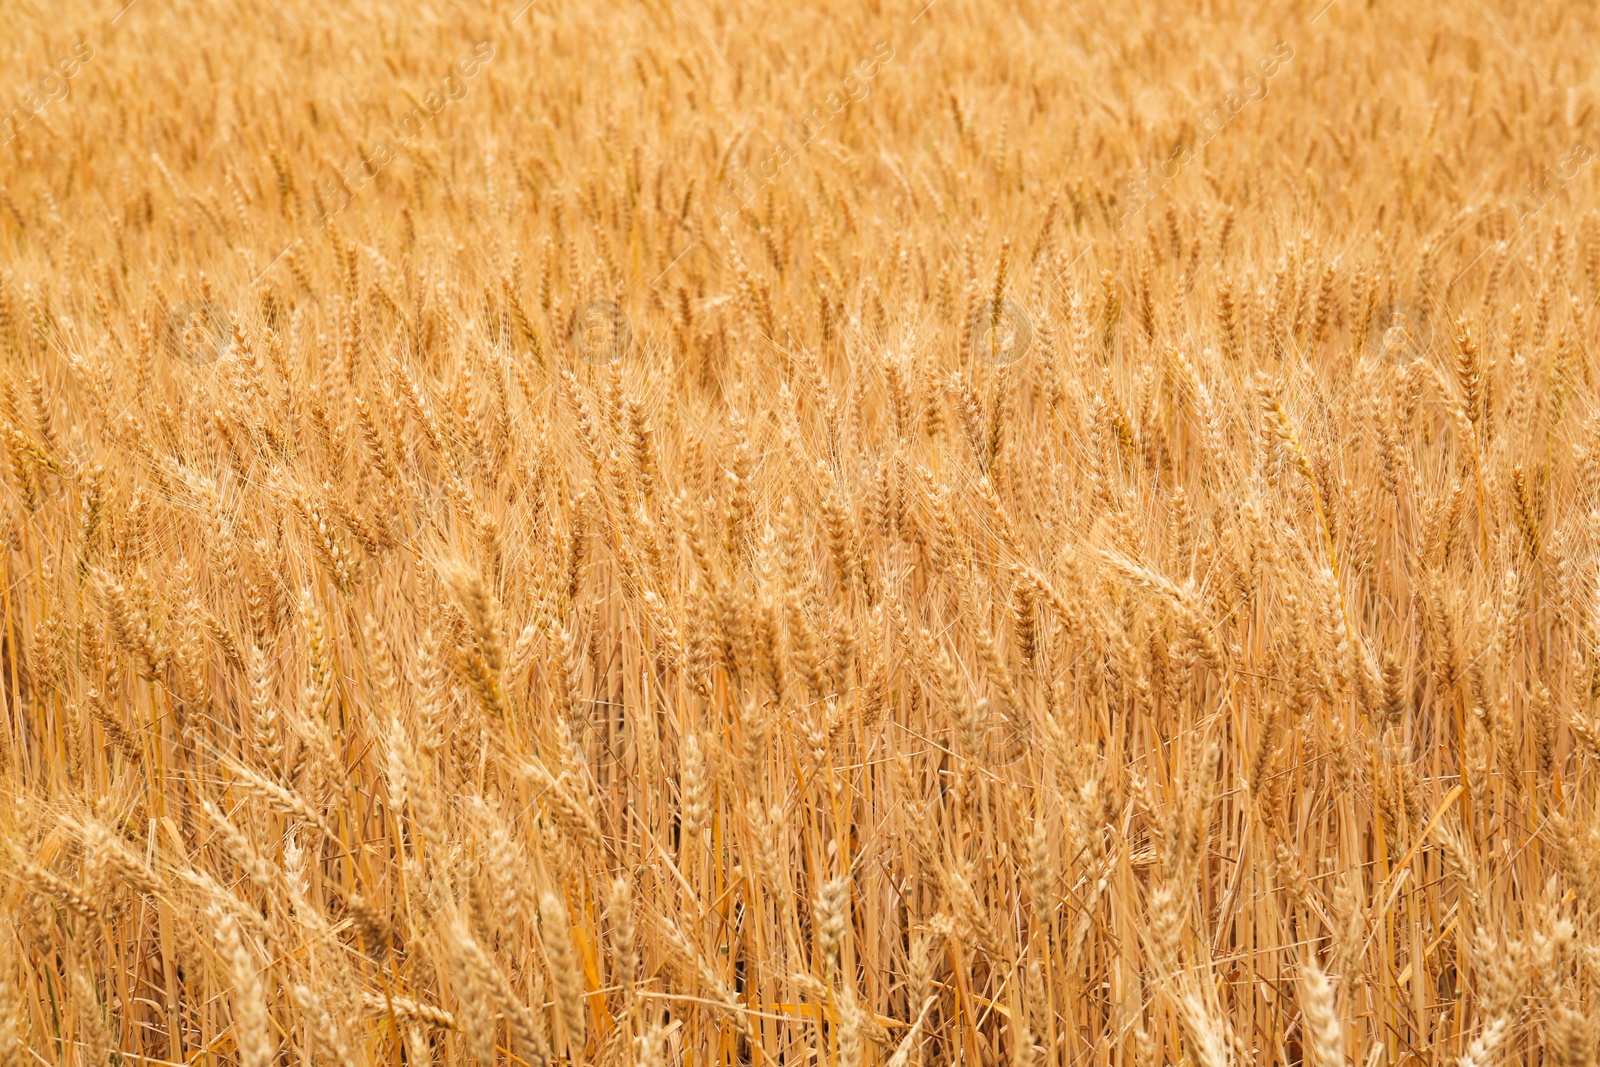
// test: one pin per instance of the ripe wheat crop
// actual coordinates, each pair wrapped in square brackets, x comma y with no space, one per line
[888,535]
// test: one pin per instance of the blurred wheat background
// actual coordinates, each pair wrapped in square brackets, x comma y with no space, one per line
[692,532]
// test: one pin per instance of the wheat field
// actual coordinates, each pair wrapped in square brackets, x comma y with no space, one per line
[692,532]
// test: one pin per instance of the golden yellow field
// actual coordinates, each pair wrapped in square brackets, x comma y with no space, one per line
[710,533]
